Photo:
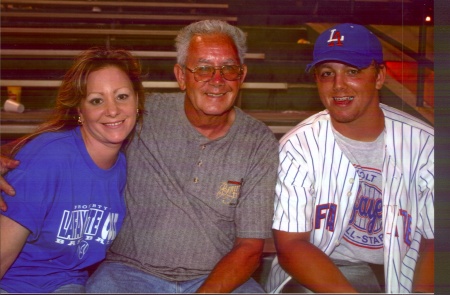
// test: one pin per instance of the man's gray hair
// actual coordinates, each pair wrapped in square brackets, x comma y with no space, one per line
[207,27]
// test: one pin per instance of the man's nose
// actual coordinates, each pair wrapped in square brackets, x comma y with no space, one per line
[339,81]
[217,77]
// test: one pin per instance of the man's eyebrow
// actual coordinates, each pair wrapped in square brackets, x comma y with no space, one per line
[227,61]
[203,60]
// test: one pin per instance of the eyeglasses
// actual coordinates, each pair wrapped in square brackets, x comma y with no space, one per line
[205,73]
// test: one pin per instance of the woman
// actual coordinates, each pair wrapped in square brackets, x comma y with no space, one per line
[69,185]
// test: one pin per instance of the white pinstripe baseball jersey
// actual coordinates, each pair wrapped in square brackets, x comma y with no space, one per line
[317,186]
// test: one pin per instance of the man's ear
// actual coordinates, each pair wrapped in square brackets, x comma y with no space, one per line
[381,77]
[179,75]
[244,73]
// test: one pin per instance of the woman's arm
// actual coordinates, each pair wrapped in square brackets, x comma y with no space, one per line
[12,238]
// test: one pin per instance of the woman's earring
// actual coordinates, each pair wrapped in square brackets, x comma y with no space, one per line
[79,121]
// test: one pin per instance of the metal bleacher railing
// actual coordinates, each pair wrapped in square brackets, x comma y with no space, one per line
[122,4]
[37,34]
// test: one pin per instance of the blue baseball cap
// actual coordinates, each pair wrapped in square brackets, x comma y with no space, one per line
[347,43]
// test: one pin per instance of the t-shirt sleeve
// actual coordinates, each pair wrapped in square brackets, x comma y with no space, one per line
[34,181]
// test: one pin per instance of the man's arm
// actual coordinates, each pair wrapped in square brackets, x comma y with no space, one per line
[235,268]
[308,264]
[424,274]
[5,165]
[12,238]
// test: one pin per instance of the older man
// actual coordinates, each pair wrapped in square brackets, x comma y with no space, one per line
[201,179]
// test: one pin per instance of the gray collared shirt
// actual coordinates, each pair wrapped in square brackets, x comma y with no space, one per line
[189,197]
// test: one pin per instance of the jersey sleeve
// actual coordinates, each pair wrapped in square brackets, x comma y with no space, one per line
[426,192]
[293,200]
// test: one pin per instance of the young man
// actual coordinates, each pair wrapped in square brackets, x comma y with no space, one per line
[355,183]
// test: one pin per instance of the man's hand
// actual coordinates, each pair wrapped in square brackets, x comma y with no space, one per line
[424,275]
[235,268]
[6,164]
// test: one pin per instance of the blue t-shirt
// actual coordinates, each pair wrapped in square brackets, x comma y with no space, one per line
[72,208]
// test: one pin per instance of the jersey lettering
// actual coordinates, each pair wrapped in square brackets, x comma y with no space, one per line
[328,213]
[369,209]
[367,175]
[407,226]
[364,236]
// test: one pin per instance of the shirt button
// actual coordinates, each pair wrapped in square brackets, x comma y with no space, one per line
[195,180]
[337,243]
[351,180]
[349,194]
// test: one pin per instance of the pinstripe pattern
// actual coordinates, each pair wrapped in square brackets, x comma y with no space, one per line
[314,171]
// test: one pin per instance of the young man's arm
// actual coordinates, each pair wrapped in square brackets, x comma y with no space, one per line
[424,274]
[308,264]
[235,268]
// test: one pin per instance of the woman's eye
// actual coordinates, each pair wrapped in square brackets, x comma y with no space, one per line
[353,71]
[122,96]
[95,101]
